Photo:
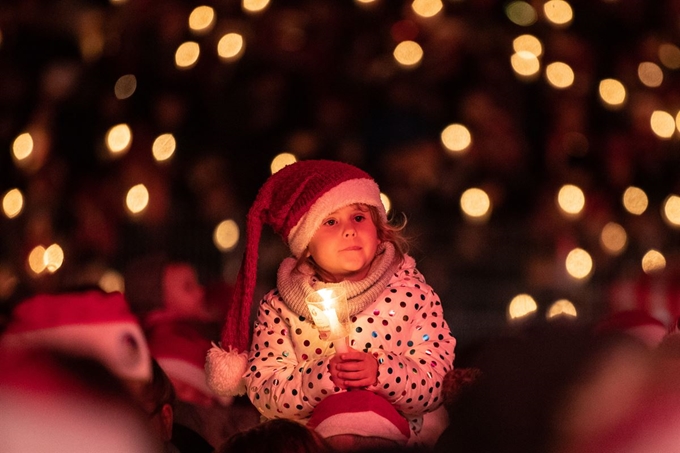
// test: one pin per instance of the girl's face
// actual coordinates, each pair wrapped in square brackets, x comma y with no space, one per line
[345,244]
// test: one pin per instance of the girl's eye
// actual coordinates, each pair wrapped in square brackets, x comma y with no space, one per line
[359,218]
[329,222]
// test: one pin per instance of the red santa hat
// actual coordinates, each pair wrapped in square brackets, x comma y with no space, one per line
[180,349]
[360,413]
[293,202]
[92,324]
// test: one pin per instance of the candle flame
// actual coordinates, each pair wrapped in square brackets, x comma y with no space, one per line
[327,296]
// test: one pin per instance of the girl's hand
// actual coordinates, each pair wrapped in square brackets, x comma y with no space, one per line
[354,369]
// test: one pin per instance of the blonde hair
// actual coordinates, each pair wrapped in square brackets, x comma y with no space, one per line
[390,230]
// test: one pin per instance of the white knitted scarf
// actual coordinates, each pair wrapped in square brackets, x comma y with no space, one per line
[295,285]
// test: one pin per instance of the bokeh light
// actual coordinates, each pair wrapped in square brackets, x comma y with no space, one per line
[163,147]
[650,74]
[386,202]
[226,235]
[137,199]
[671,211]
[12,203]
[559,75]
[635,200]
[281,160]
[36,260]
[521,13]
[561,307]
[528,43]
[456,138]
[254,6]
[579,263]
[53,258]
[230,47]
[612,93]
[202,19]
[613,238]
[662,124]
[187,55]
[653,261]
[669,55]
[525,64]
[408,54]
[118,139]
[571,200]
[22,147]
[125,86]
[558,12]
[521,306]
[427,8]
[112,281]
[475,204]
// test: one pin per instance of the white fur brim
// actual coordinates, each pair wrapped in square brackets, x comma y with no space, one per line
[121,346]
[366,424]
[360,190]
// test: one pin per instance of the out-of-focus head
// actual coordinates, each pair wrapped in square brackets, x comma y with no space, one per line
[156,282]
[157,399]
[90,323]
[276,436]
[62,403]
[182,292]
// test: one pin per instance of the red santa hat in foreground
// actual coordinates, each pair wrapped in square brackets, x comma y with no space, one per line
[61,403]
[293,202]
[91,324]
[359,413]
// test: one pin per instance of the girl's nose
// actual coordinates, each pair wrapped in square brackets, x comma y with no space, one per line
[350,232]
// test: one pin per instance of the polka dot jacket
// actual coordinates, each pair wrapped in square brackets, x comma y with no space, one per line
[404,329]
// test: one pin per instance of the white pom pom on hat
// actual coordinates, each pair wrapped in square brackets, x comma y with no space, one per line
[293,202]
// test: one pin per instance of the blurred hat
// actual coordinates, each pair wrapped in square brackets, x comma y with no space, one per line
[359,413]
[180,350]
[91,324]
[62,403]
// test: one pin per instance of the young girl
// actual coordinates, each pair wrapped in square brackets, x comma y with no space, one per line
[331,216]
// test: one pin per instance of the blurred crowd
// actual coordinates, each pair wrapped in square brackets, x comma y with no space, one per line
[86,370]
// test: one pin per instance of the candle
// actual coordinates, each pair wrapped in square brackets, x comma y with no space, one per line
[333,322]
[327,306]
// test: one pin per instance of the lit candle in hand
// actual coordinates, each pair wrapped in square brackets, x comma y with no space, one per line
[326,319]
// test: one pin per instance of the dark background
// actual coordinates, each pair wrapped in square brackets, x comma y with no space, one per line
[317,79]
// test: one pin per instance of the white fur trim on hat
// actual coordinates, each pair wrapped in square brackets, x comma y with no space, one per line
[365,424]
[120,346]
[360,190]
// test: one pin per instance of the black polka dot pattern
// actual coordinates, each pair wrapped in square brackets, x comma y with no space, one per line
[404,329]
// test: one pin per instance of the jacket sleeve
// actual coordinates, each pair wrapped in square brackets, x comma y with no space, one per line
[281,383]
[411,375]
